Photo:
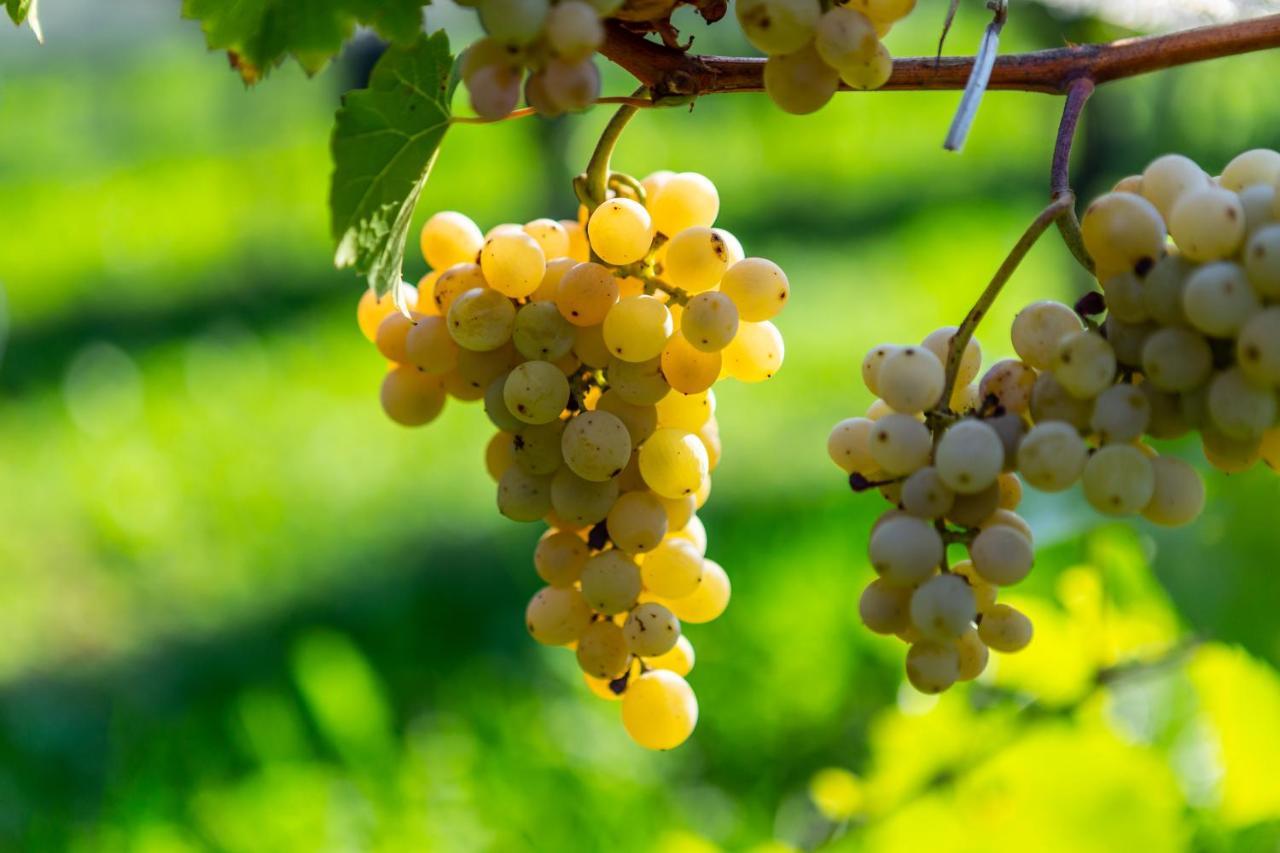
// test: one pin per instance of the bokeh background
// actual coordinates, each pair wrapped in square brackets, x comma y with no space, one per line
[240,610]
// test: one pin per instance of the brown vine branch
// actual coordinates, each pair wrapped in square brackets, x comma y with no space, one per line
[672,72]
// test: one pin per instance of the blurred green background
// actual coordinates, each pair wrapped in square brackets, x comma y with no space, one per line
[240,610]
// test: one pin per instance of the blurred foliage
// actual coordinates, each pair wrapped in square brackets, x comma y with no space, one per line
[242,611]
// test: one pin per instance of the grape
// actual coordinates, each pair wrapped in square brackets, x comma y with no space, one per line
[1207,223]
[1259,203]
[969,456]
[556,617]
[651,630]
[673,569]
[477,369]
[799,82]
[844,36]
[683,201]
[732,246]
[1229,455]
[884,608]
[559,558]
[973,655]
[1166,420]
[579,247]
[1178,497]
[1052,456]
[943,607]
[1269,448]
[495,407]
[679,510]
[1218,300]
[1118,480]
[499,455]
[933,666]
[849,446]
[1262,261]
[1037,330]
[1009,383]
[905,550]
[582,502]
[659,710]
[596,445]
[925,495]
[1163,287]
[481,320]
[513,264]
[673,462]
[536,392]
[900,444]
[686,411]
[688,370]
[1176,359]
[778,26]
[1258,348]
[514,21]
[620,231]
[429,346]
[610,582]
[391,335]
[696,259]
[870,71]
[755,353]
[1010,519]
[1238,408]
[574,30]
[708,600]
[1085,364]
[1129,184]
[1126,297]
[602,650]
[1259,166]
[450,238]
[373,309]
[523,496]
[637,328]
[586,294]
[1001,555]
[1170,177]
[1005,629]
[640,421]
[871,365]
[494,90]
[758,287]
[572,85]
[910,379]
[541,332]
[637,522]
[410,397]
[679,659]
[1120,414]
[453,282]
[709,321]
[1010,488]
[551,236]
[589,345]
[938,342]
[640,383]
[1127,340]
[1122,231]
[884,11]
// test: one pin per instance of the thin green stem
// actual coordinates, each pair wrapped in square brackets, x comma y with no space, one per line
[593,186]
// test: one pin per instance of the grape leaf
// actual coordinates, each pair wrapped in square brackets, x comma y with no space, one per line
[385,140]
[26,10]
[259,34]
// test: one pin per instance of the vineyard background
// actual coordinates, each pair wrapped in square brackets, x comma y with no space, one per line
[240,610]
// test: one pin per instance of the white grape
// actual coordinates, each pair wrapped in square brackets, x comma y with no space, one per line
[933,666]
[1258,347]
[1207,223]
[1118,480]
[1052,456]
[1084,364]
[969,456]
[1218,300]
[1175,359]
[1178,496]
[943,607]
[900,444]
[1120,414]
[596,445]
[1037,330]
[905,550]
[1005,629]
[611,582]
[911,379]
[1001,555]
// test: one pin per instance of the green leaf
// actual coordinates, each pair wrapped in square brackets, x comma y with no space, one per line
[25,10]
[259,34]
[385,140]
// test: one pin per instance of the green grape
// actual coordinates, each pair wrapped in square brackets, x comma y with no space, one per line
[536,447]
[549,288]
[640,421]
[1118,480]
[620,231]
[542,333]
[1262,261]
[708,601]
[799,82]
[454,282]
[637,328]
[536,392]
[933,666]
[1010,519]
[602,650]
[1178,497]
[1120,414]
[1176,359]
[1037,330]
[596,445]
[872,363]
[513,21]
[972,510]
[659,710]
[1010,429]
[574,30]
[1163,287]
[1229,455]
[1170,177]
[969,456]
[1001,555]
[1122,231]
[429,347]
[943,607]
[1052,456]
[640,383]
[778,26]
[1259,204]
[900,444]
[637,522]
[1207,223]
[651,630]
[673,569]
[1127,340]
[572,85]
[589,345]
[495,406]
[938,342]
[905,550]
[844,36]
[1005,629]
[1166,420]
[557,617]
[1126,297]
[476,370]
[679,659]
[586,293]
[1218,300]
[884,608]
[910,379]
[687,369]
[410,397]
[1258,348]
[1084,364]
[1258,166]
[559,558]
[673,462]
[1009,383]
[696,259]
[391,335]
[849,446]
[499,455]
[973,655]
[755,353]
[679,510]
[684,200]
[371,310]
[523,496]
[513,263]
[449,238]
[610,582]
[758,288]
[481,320]
[925,495]
[1238,408]
[869,71]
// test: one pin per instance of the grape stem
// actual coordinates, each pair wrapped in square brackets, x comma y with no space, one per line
[593,185]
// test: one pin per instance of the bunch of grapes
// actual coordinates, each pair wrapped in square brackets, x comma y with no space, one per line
[594,349]
[555,42]
[1190,341]
[811,51]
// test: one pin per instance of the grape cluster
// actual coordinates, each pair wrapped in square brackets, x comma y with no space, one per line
[556,43]
[1190,341]
[812,51]
[594,348]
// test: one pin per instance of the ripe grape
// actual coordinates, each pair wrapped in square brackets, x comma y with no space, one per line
[659,710]
[758,287]
[559,558]
[708,600]
[933,666]
[696,258]
[910,379]
[557,616]
[1038,329]
[610,582]
[673,569]
[637,328]
[596,445]
[1258,347]
[411,397]
[602,650]
[620,231]
[651,629]
[969,456]
[849,446]
[481,319]
[800,82]
[513,264]
[1207,223]
[582,502]
[637,522]
[1118,480]
[925,495]
[778,26]
[523,496]
[709,321]
[684,200]
[1178,495]
[673,462]
[536,392]
[1052,456]
[900,444]
[755,353]
[1170,177]
[1001,555]
[905,550]
[449,238]
[943,607]
[1005,629]
[884,608]
[1122,231]
[1120,414]
[1218,300]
